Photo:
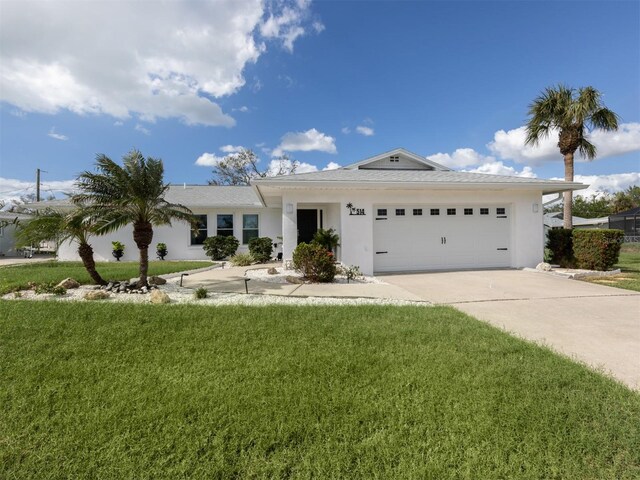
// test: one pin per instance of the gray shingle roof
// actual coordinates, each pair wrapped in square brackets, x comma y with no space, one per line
[194,196]
[402,176]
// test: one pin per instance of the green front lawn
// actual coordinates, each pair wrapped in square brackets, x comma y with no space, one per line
[17,277]
[132,391]
[629,264]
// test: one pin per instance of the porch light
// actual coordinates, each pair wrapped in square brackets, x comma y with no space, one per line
[289,207]
[535,208]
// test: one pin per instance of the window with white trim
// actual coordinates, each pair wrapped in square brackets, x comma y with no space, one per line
[417,211]
[400,212]
[451,211]
[224,225]
[199,231]
[435,211]
[250,223]
[501,211]
[382,212]
[468,211]
[484,211]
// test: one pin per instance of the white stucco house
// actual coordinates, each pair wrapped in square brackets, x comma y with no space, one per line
[396,211]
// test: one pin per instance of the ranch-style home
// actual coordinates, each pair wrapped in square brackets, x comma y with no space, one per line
[394,212]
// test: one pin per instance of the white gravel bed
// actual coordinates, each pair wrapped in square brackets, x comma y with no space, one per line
[281,277]
[182,295]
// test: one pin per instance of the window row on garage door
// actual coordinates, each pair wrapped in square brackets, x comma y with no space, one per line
[429,237]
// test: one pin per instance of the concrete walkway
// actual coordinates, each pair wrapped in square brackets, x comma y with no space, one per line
[595,324]
[6,261]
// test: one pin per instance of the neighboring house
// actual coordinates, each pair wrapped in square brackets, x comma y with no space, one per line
[7,232]
[629,222]
[555,220]
[396,211]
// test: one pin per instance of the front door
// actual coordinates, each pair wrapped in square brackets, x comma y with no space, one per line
[307,224]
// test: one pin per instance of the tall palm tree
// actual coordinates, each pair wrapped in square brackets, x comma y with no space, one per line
[131,193]
[75,226]
[574,113]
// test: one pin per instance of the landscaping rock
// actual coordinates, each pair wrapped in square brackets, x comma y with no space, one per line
[292,279]
[96,295]
[158,296]
[545,267]
[68,283]
[156,280]
[272,271]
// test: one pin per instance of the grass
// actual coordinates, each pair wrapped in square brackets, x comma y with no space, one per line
[17,277]
[131,391]
[629,264]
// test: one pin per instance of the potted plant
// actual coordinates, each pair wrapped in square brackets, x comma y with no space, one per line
[118,250]
[161,250]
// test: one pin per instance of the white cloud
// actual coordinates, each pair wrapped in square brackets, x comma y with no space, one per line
[142,129]
[52,133]
[177,61]
[13,189]
[208,160]
[243,109]
[231,148]
[510,145]
[346,130]
[332,166]
[499,168]
[311,140]
[286,24]
[462,157]
[599,184]
[366,131]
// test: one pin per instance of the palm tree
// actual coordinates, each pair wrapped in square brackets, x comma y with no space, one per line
[132,193]
[574,113]
[75,226]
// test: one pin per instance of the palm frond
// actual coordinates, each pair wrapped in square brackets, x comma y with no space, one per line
[587,149]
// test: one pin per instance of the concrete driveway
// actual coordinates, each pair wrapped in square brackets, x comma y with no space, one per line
[595,324]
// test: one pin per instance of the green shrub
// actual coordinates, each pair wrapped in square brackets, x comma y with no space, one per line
[117,250]
[200,293]
[220,247]
[351,272]
[559,242]
[242,259]
[49,287]
[597,249]
[261,249]
[161,250]
[328,239]
[314,262]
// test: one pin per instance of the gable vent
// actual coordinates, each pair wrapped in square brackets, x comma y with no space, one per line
[394,158]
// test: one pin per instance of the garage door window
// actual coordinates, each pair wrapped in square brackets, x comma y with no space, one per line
[417,211]
[468,211]
[484,211]
[435,211]
[500,211]
[382,212]
[451,211]
[400,212]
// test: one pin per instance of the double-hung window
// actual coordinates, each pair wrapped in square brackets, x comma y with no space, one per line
[224,225]
[199,231]
[249,227]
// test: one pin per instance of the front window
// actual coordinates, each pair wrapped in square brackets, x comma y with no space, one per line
[225,225]
[199,232]
[249,227]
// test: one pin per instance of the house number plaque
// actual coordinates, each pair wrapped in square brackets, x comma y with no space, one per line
[355,211]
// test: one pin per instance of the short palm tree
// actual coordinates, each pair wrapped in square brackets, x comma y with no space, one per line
[574,113]
[75,226]
[132,193]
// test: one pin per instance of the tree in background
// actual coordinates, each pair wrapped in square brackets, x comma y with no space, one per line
[602,205]
[240,168]
[573,113]
[626,200]
[133,193]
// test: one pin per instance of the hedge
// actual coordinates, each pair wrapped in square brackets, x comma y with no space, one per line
[560,243]
[314,262]
[261,249]
[597,249]
[220,247]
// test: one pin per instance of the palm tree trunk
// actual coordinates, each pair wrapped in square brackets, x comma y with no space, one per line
[86,255]
[568,196]
[143,235]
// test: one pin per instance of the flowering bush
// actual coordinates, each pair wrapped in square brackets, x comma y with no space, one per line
[314,262]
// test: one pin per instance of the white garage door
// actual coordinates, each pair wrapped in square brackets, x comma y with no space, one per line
[431,237]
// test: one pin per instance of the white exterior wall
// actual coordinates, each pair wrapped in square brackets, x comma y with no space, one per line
[178,237]
[356,232]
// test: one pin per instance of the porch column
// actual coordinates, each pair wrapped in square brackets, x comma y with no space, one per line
[289,227]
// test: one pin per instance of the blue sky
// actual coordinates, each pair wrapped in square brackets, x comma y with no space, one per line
[325,82]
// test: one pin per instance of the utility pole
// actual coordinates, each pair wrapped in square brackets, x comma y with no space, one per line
[38,185]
